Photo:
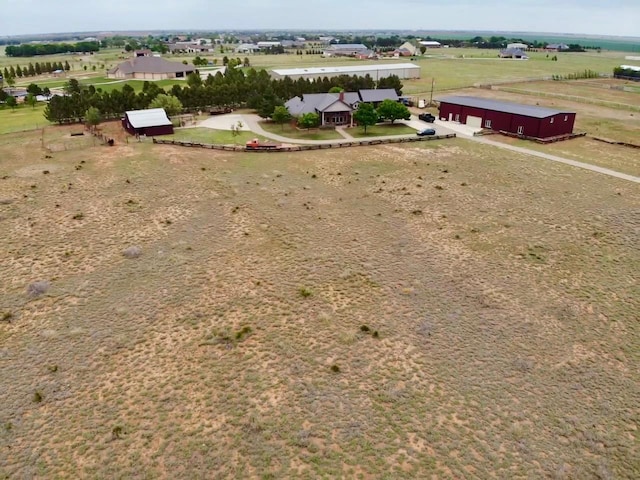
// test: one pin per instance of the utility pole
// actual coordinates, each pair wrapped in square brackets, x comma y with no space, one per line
[433,82]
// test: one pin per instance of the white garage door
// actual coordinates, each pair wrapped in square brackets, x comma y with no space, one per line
[475,122]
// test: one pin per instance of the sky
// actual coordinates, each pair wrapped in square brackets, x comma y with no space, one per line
[598,17]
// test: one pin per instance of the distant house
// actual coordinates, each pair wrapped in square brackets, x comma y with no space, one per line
[336,109]
[150,68]
[142,53]
[151,122]
[410,47]
[366,55]
[513,53]
[402,52]
[375,71]
[521,46]
[556,47]
[524,120]
[344,50]
[292,43]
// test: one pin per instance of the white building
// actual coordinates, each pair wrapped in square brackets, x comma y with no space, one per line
[431,44]
[518,46]
[375,71]
[269,44]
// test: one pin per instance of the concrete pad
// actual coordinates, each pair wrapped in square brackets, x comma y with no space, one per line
[224,122]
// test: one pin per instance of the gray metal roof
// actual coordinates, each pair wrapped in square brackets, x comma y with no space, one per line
[153,117]
[347,46]
[502,106]
[378,95]
[152,65]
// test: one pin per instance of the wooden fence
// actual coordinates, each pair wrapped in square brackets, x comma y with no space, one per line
[304,148]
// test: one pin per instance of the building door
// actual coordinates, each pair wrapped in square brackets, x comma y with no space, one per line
[520,130]
[457,117]
[475,122]
[450,116]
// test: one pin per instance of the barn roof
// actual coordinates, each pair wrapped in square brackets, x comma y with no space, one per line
[153,117]
[502,106]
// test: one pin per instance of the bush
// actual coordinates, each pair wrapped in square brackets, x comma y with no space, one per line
[305,292]
[335,368]
[132,252]
[38,288]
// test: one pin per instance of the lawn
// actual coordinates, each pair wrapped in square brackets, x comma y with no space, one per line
[381,130]
[289,131]
[432,310]
[22,118]
[208,135]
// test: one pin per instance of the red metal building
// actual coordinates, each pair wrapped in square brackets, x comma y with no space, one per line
[525,120]
[151,122]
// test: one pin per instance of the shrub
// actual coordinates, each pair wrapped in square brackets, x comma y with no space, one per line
[37,397]
[305,292]
[6,317]
[132,252]
[365,329]
[335,368]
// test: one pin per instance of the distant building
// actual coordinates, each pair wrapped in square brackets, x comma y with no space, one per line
[150,68]
[269,44]
[344,50]
[513,53]
[556,47]
[375,71]
[524,120]
[142,53]
[247,48]
[410,47]
[190,47]
[430,44]
[150,122]
[520,46]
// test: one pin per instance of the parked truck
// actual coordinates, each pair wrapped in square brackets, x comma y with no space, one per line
[256,144]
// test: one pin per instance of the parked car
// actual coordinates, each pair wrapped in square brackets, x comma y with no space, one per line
[427,117]
[425,132]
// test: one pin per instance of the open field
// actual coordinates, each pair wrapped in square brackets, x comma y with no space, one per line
[292,132]
[22,118]
[585,149]
[503,290]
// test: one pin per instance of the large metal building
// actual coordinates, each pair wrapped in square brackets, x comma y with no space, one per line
[525,120]
[375,71]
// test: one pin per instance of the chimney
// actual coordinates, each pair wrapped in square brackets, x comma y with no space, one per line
[342,96]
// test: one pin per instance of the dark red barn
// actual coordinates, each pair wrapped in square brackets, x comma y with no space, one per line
[526,120]
[151,122]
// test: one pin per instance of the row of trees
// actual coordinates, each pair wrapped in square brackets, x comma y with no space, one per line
[32,69]
[255,90]
[32,50]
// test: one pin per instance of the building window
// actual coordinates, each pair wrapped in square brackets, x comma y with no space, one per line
[457,117]
[520,130]
[487,124]
[551,120]
[566,117]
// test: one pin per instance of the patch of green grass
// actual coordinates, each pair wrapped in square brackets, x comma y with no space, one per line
[22,118]
[289,131]
[382,130]
[208,135]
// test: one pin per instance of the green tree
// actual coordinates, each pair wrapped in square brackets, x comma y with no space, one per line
[34,89]
[366,116]
[336,90]
[31,99]
[12,102]
[11,81]
[391,82]
[66,68]
[72,86]
[92,117]
[225,61]
[171,104]
[309,120]
[247,63]
[46,92]
[19,71]
[391,110]
[194,80]
[281,115]
[423,49]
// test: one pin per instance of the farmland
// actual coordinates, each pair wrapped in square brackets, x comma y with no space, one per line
[445,309]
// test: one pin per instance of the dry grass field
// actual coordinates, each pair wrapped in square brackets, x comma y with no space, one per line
[442,310]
